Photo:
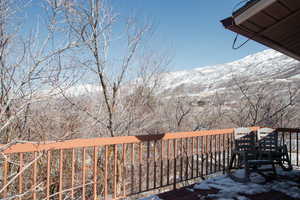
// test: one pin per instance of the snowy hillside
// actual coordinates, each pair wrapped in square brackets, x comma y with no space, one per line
[265,65]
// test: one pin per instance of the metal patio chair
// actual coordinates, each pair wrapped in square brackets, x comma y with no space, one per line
[269,149]
[246,155]
[243,151]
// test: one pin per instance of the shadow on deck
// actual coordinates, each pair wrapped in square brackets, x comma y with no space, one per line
[286,186]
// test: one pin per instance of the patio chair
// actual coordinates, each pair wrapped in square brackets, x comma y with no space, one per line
[269,149]
[245,152]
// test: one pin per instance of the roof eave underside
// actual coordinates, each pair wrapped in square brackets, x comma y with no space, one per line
[274,23]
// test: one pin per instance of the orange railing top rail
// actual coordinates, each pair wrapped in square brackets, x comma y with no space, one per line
[90,142]
[289,129]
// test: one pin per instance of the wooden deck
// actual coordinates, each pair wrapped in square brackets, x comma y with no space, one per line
[189,193]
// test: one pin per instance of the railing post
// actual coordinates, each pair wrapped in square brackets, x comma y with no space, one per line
[5,176]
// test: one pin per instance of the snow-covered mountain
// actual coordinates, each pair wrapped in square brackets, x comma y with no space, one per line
[268,65]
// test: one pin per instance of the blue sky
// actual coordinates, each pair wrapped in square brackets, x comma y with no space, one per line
[191,29]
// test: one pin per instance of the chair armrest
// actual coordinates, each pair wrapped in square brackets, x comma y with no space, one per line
[283,148]
[251,153]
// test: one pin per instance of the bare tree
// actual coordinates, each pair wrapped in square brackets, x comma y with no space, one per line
[114,55]
[266,103]
[32,63]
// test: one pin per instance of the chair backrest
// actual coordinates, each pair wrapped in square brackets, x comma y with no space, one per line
[263,132]
[267,139]
[241,132]
[244,139]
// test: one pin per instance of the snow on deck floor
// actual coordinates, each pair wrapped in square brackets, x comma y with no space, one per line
[229,189]
[285,186]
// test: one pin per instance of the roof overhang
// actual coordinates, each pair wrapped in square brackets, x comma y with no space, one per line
[274,23]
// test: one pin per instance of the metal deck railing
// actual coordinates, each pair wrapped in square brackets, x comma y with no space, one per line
[118,167]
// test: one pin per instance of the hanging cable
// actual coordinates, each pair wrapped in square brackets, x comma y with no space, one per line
[235,8]
[239,46]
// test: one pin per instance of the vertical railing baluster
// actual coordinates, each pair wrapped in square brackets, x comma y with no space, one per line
[48,174]
[181,159]
[161,163]
[95,172]
[224,153]
[211,145]
[219,152]
[115,170]
[21,175]
[72,173]
[290,145]
[192,151]
[106,173]
[140,166]
[155,165]
[206,155]
[197,149]
[148,168]
[297,137]
[175,159]
[187,159]
[124,168]
[211,154]
[232,147]
[215,152]
[83,172]
[34,175]
[61,155]
[132,168]
[168,162]
[227,147]
[202,156]
[283,138]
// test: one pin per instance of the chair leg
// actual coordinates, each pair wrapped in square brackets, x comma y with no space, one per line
[286,159]
[245,179]
[231,162]
[247,172]
[274,169]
